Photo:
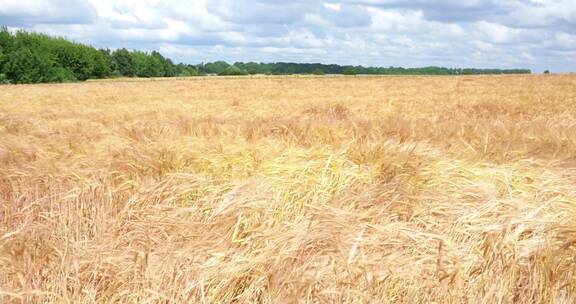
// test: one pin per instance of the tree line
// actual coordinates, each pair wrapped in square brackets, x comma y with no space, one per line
[29,57]
[282,68]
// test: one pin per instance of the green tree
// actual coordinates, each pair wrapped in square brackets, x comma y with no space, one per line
[184,70]
[155,65]
[124,63]
[5,43]
[215,67]
[349,71]
[4,79]
[318,72]
[148,65]
[59,74]
[6,39]
[102,64]
[27,66]
[233,71]
[169,68]
[2,58]
[79,59]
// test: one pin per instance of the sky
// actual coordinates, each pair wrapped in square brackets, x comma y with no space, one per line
[535,34]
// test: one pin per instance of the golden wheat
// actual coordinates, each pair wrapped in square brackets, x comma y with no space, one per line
[290,190]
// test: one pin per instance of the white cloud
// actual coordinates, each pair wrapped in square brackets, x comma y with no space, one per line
[497,33]
[333,6]
[29,12]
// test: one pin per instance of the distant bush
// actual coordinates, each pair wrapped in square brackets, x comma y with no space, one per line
[232,71]
[116,74]
[4,79]
[216,67]
[60,74]
[349,71]
[318,72]
[186,73]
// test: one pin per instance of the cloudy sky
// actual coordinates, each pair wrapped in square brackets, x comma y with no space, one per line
[536,34]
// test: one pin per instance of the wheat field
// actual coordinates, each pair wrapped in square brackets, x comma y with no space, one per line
[290,190]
